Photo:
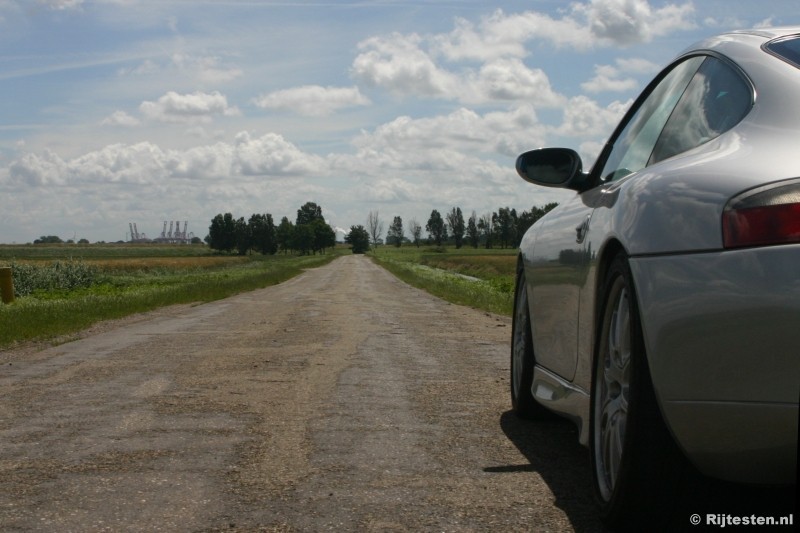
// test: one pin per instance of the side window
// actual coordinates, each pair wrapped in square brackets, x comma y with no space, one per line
[714,102]
[634,146]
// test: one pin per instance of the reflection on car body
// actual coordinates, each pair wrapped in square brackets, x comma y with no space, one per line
[658,307]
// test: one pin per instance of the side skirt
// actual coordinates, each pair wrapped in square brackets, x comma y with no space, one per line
[564,398]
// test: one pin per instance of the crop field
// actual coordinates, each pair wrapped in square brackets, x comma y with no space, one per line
[62,289]
[476,277]
[51,252]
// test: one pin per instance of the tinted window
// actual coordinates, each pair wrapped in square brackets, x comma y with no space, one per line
[634,146]
[715,101]
[787,49]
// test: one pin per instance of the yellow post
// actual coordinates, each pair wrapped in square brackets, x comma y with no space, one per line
[6,285]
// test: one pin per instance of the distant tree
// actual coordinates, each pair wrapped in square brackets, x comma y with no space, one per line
[324,235]
[436,228]
[455,220]
[310,234]
[374,226]
[358,239]
[504,223]
[473,233]
[485,227]
[285,235]
[263,234]
[395,233]
[222,233]
[416,231]
[83,241]
[308,213]
[196,240]
[303,240]
[48,239]
[243,236]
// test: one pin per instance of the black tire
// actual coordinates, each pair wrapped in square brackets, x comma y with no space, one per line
[635,463]
[523,359]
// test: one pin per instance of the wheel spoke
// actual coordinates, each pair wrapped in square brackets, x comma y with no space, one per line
[613,387]
[612,438]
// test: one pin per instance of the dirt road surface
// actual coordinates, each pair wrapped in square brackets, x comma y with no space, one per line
[341,400]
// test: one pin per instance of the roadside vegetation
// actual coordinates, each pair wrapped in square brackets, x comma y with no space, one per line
[61,289]
[468,261]
[479,278]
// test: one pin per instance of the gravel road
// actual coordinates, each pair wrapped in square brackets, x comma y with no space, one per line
[341,400]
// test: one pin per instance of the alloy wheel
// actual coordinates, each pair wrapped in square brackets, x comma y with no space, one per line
[612,389]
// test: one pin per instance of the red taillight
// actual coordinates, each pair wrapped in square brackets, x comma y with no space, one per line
[764,216]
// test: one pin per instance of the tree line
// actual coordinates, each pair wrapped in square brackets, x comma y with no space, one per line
[308,234]
[503,228]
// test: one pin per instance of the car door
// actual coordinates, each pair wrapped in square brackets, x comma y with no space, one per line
[561,300]
[555,281]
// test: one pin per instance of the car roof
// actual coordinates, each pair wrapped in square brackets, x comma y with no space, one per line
[754,36]
[770,33]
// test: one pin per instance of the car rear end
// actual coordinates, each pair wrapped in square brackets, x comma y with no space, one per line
[722,322]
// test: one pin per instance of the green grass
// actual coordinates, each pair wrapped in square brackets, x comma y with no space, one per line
[479,278]
[49,311]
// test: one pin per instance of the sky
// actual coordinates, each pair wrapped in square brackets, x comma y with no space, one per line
[115,112]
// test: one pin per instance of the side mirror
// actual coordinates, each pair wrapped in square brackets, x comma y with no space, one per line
[552,167]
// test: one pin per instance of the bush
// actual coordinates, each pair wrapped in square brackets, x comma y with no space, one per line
[58,275]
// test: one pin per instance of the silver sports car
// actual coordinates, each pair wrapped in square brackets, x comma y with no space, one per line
[659,307]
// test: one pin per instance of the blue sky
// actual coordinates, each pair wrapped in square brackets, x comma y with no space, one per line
[120,111]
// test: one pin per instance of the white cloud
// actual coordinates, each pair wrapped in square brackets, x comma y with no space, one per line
[313,100]
[140,164]
[47,169]
[434,66]
[397,63]
[392,190]
[606,78]
[501,35]
[453,144]
[403,68]
[487,42]
[610,78]
[581,26]
[145,163]
[198,106]
[510,80]
[628,22]
[201,162]
[271,154]
[585,118]
[120,118]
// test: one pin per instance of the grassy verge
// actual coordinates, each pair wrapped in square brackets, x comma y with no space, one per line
[121,290]
[483,279]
